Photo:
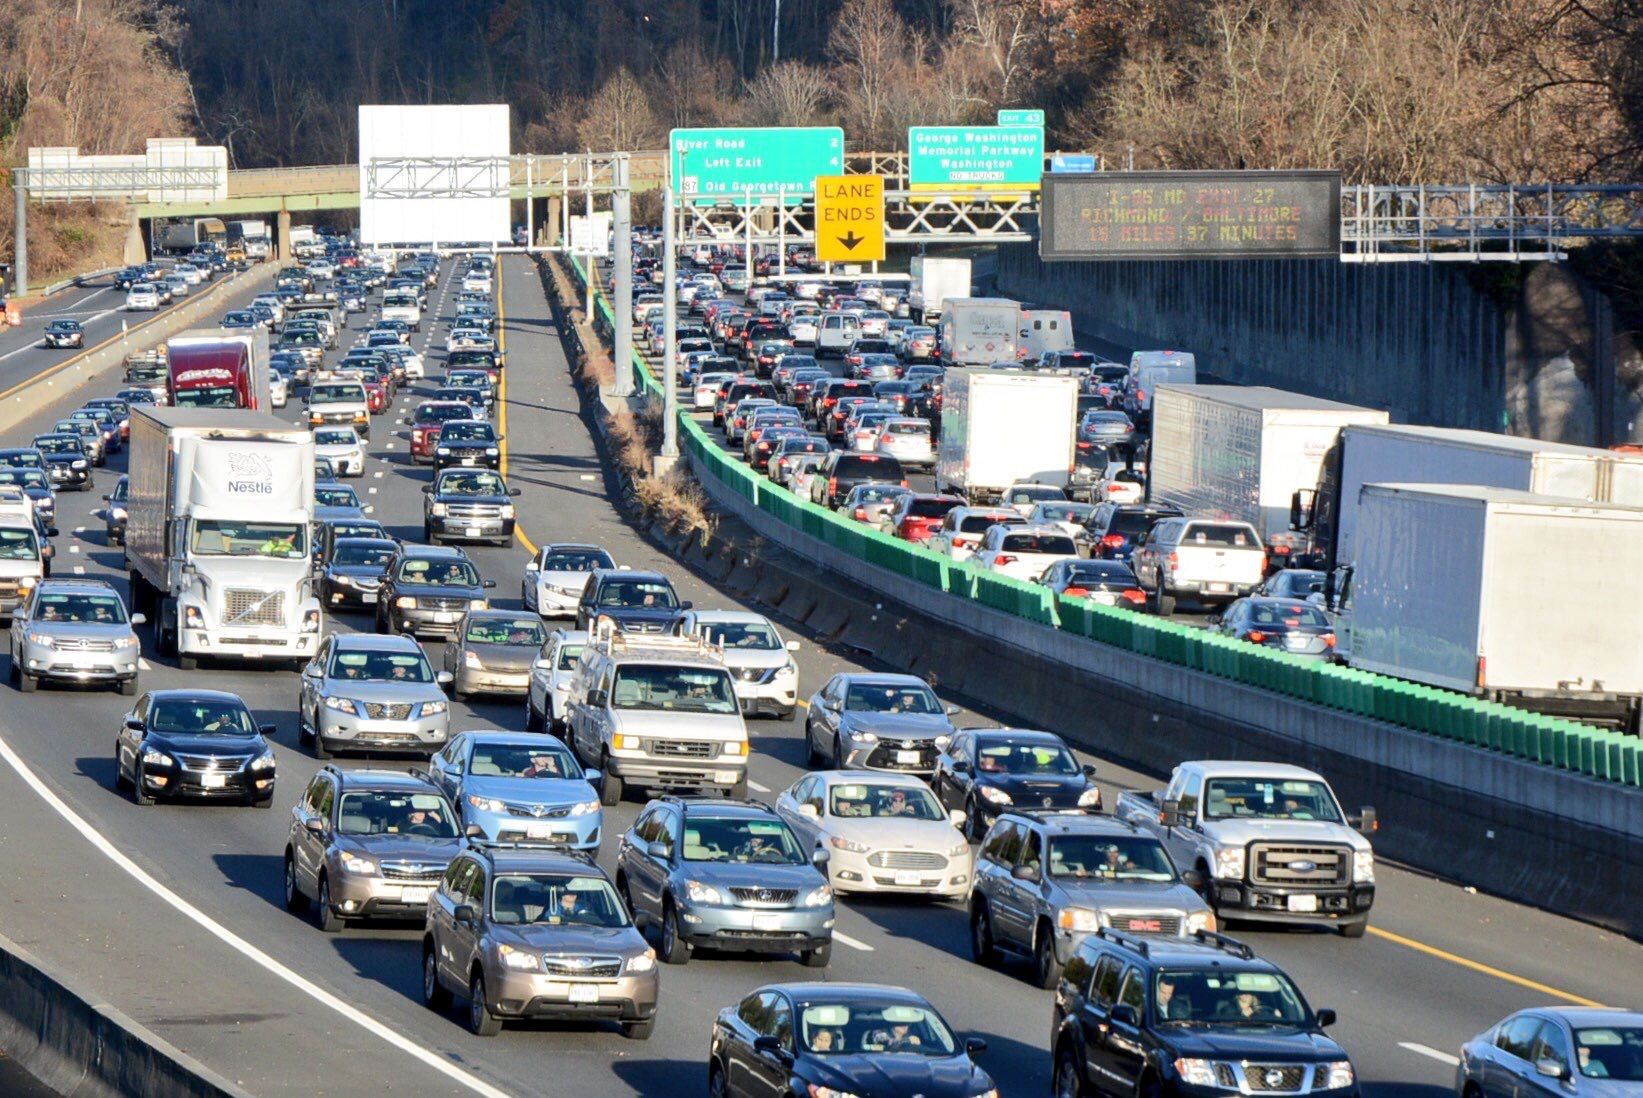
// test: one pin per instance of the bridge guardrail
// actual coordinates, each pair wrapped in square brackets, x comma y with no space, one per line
[1598,753]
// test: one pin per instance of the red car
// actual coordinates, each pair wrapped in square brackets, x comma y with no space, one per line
[918,516]
[427,423]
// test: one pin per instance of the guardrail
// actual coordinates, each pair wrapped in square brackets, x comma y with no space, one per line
[1568,745]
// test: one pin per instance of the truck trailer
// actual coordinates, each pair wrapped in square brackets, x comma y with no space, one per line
[934,281]
[980,331]
[1004,427]
[217,534]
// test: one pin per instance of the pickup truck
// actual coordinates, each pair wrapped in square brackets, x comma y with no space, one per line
[1210,561]
[1270,840]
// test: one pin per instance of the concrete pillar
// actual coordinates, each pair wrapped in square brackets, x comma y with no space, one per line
[551,226]
[135,251]
[282,236]
[621,220]
[20,264]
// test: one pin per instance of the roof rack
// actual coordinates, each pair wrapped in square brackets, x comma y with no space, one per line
[1128,941]
[1223,942]
[606,636]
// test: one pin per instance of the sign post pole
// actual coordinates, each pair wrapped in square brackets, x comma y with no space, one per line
[749,243]
[621,218]
[781,234]
[20,264]
[590,258]
[670,334]
[530,204]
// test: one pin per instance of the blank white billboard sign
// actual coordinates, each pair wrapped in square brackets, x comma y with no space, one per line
[434,174]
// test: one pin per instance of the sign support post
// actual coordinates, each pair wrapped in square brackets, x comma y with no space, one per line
[670,333]
[621,217]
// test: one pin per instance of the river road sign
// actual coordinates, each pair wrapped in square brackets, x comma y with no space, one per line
[849,218]
[721,164]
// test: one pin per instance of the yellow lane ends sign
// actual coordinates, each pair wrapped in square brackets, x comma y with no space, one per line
[849,218]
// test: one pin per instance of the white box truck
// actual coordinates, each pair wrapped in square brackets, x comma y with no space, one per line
[1004,427]
[1230,452]
[1451,589]
[217,533]
[253,235]
[980,331]
[1404,454]
[935,280]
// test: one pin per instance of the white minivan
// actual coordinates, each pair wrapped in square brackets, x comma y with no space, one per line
[837,332]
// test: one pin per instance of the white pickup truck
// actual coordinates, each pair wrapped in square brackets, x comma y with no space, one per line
[1270,839]
[1209,561]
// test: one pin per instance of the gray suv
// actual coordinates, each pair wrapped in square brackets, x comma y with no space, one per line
[877,722]
[364,691]
[1046,881]
[76,630]
[525,933]
[367,844]
[726,874]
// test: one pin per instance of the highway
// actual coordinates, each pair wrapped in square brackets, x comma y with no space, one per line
[173,913]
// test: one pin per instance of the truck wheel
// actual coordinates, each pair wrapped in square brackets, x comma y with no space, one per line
[610,793]
[639,1031]
[1165,604]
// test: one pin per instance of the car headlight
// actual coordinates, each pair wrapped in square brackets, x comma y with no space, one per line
[79,464]
[943,741]
[698,893]
[994,795]
[265,761]
[490,451]
[518,959]
[507,510]
[42,640]
[485,804]
[478,604]
[736,749]
[1363,868]
[1200,920]
[863,736]
[405,602]
[625,742]
[1336,1074]
[788,668]
[816,1091]
[437,510]
[443,450]
[586,808]
[342,705]
[1090,798]
[839,842]
[1197,1073]
[820,896]
[432,708]
[471,659]
[642,962]
[153,757]
[959,850]
[1080,920]
[122,643]
[1229,864]
[353,863]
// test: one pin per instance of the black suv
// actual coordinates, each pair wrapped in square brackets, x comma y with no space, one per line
[844,469]
[1201,1016]
[428,589]
[637,602]
[1115,528]
[468,442]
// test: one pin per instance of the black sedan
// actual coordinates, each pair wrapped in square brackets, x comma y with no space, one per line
[353,573]
[194,743]
[67,462]
[468,442]
[866,1040]
[65,333]
[987,771]
[1288,625]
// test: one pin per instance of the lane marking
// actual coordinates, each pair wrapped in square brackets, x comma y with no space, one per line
[1425,1050]
[756,787]
[239,944]
[1479,966]
[854,943]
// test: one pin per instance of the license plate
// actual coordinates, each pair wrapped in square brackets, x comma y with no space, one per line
[84,662]
[767,922]
[908,877]
[584,993]
[214,781]
[467,461]
[414,895]
[1220,587]
[1303,903]
[1293,641]
[445,617]
[906,757]
[471,532]
[368,597]
[539,831]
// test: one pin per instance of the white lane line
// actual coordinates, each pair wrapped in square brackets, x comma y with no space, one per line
[144,665]
[1424,1050]
[32,346]
[841,936]
[756,787]
[239,944]
[79,569]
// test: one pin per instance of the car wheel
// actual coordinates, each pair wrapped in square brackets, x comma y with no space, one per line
[263,802]
[675,950]
[26,682]
[1046,968]
[186,662]
[295,900]
[739,790]
[481,1022]
[639,1031]
[982,949]
[533,719]
[716,1085]
[435,995]
[325,915]
[818,957]
[321,752]
[838,752]
[1166,603]
[119,771]
[139,792]
[812,757]
[972,822]
[1355,930]
[1068,1084]
[128,687]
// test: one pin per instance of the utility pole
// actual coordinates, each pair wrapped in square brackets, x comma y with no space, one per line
[776,35]
[20,265]
[621,220]
[670,335]
[591,257]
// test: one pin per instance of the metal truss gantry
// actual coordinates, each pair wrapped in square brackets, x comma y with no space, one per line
[778,218]
[1477,223]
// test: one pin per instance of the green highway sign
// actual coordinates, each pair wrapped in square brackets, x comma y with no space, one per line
[722,163]
[1020,118]
[976,158]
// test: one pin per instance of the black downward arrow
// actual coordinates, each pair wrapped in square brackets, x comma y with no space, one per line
[852,240]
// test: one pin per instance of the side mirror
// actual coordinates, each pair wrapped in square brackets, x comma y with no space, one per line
[466,914]
[1193,879]
[515,492]
[1089,770]
[444,678]
[1326,1017]
[819,857]
[369,509]
[139,619]
[768,1045]
[108,499]
[1169,814]
[808,810]
[490,583]
[687,605]
[134,723]
[657,850]
[961,766]
[1123,1014]
[1026,873]
[950,710]
[1368,822]
[1552,1069]
[792,646]
[532,566]
[596,698]
[427,489]
[974,1046]
[311,671]
[956,817]
[267,729]
[595,778]
[314,824]
[473,831]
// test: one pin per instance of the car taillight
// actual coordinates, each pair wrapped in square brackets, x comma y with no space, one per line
[1085,445]
[1114,488]
[1076,592]
[1134,595]
[1174,560]
[861,513]
[1004,559]
[832,486]
[1256,637]
[1112,541]
[1329,640]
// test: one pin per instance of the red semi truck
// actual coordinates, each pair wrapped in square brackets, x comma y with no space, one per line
[218,368]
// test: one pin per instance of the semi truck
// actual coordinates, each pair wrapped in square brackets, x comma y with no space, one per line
[1004,427]
[934,281]
[254,236]
[1449,588]
[181,235]
[1230,452]
[218,368]
[980,331]
[217,534]
[1394,453]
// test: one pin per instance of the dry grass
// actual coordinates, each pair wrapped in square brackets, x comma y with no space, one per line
[69,238]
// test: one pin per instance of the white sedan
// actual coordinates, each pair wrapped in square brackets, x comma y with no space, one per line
[882,833]
[555,577]
[1023,552]
[342,448]
[551,674]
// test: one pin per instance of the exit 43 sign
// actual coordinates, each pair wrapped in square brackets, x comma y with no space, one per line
[849,218]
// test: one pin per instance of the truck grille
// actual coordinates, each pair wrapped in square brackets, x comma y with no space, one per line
[682,749]
[599,968]
[1167,923]
[765,897]
[382,711]
[242,606]
[1274,1077]
[1291,864]
[437,602]
[473,511]
[906,859]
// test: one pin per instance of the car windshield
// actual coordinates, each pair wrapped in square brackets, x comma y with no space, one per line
[18,544]
[57,444]
[337,394]
[753,635]
[1610,1052]
[543,759]
[201,717]
[1025,758]
[1297,582]
[728,839]
[576,560]
[89,609]
[439,573]
[369,666]
[25,478]
[1034,493]
[1269,799]
[381,813]
[235,538]
[890,698]
[1211,997]
[519,899]
[638,593]
[363,554]
[1089,574]
[335,495]
[688,689]
[904,802]
[336,437]
[518,632]
[19,459]
[1110,857]
[477,483]
[468,432]
[1064,512]
[439,413]
[1039,543]
[855,1029]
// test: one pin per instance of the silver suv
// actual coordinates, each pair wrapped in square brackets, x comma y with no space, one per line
[76,630]
[364,690]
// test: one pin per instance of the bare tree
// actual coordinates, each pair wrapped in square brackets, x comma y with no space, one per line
[789,94]
[1010,39]
[619,116]
[873,50]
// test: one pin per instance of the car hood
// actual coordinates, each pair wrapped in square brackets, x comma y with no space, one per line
[388,693]
[505,657]
[1239,832]
[912,726]
[63,459]
[338,514]
[467,498]
[1039,790]
[803,876]
[637,614]
[88,630]
[898,1074]
[561,940]
[548,791]
[673,723]
[755,657]
[358,571]
[889,832]
[415,849]
[1275,1044]
[1127,895]
[440,591]
[209,745]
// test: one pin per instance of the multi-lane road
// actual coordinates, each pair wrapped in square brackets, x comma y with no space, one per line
[173,913]
[97,305]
